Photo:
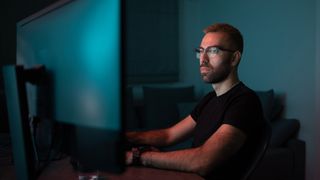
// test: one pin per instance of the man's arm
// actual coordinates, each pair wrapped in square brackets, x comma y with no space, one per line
[226,141]
[163,137]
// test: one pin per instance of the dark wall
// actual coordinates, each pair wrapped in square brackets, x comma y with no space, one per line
[7,33]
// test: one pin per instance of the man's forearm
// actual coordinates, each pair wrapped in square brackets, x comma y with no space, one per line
[188,160]
[218,148]
[154,138]
[164,137]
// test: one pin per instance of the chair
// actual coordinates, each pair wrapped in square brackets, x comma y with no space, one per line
[257,156]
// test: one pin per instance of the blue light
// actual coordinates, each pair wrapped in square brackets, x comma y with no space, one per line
[80,44]
[100,35]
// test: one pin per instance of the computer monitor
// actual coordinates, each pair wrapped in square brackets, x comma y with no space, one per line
[80,45]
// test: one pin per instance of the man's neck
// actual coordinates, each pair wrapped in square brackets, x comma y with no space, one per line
[225,86]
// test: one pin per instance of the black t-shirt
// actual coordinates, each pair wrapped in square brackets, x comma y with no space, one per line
[239,107]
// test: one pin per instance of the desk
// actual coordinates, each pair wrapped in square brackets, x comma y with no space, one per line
[62,169]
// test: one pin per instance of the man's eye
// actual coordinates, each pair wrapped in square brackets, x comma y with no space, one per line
[213,50]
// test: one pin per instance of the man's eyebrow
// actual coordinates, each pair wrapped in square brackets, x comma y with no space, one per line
[217,46]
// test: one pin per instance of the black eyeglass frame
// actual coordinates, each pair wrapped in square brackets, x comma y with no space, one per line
[200,50]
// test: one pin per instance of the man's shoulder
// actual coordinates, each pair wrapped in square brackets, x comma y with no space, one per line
[242,90]
[245,94]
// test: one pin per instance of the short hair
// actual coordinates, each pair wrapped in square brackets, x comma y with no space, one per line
[233,33]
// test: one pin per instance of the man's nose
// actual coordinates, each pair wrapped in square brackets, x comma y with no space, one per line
[204,59]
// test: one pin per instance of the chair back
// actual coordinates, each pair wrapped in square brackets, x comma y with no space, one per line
[260,150]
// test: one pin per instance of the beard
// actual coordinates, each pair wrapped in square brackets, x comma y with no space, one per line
[216,75]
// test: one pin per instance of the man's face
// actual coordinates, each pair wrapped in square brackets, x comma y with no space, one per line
[217,67]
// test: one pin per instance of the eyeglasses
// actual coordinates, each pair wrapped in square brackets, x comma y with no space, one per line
[210,51]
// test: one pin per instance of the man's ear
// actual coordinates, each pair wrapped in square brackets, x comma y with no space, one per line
[236,58]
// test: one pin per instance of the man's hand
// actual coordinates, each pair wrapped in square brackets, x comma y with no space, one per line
[129,154]
[128,157]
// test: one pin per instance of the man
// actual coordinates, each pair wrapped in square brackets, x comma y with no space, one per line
[223,124]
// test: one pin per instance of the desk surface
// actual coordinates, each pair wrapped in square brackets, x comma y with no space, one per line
[62,169]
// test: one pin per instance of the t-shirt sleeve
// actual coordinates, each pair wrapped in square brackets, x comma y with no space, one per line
[245,113]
